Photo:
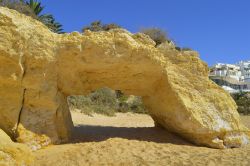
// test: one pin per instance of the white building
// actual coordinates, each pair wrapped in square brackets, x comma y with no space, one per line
[245,69]
[229,76]
[226,70]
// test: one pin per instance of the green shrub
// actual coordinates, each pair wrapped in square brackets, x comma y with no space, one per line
[156,34]
[34,9]
[178,48]
[131,104]
[137,106]
[98,26]
[107,102]
[79,102]
[103,109]
[186,49]
[104,96]
[18,6]
[242,100]
[108,27]
[102,101]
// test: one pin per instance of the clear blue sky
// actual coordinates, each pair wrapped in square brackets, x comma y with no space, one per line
[218,29]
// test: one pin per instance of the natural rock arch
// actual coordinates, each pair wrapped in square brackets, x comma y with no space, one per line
[39,69]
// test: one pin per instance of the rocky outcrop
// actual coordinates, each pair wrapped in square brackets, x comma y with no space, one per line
[39,69]
[13,153]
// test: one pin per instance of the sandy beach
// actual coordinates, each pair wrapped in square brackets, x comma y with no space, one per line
[132,139]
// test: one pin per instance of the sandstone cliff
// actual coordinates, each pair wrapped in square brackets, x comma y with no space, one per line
[39,69]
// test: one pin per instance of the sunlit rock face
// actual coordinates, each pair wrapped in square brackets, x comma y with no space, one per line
[39,69]
[13,153]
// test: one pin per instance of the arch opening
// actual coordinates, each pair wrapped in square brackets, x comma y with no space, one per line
[107,114]
[107,102]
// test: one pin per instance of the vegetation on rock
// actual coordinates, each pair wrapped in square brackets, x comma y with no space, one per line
[34,9]
[99,26]
[18,6]
[156,34]
[106,101]
[159,36]
[242,99]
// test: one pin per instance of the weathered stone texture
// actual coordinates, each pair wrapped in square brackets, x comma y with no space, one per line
[13,153]
[39,69]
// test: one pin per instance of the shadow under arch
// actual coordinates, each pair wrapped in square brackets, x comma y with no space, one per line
[88,133]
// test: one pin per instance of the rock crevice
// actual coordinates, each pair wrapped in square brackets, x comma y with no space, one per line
[19,116]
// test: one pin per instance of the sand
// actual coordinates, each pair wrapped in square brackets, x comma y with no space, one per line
[132,139]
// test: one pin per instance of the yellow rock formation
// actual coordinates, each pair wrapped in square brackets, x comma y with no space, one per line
[13,153]
[39,69]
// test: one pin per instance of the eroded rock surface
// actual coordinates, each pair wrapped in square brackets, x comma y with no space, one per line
[39,69]
[13,153]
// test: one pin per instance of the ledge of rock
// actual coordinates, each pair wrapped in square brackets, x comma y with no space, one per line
[39,69]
